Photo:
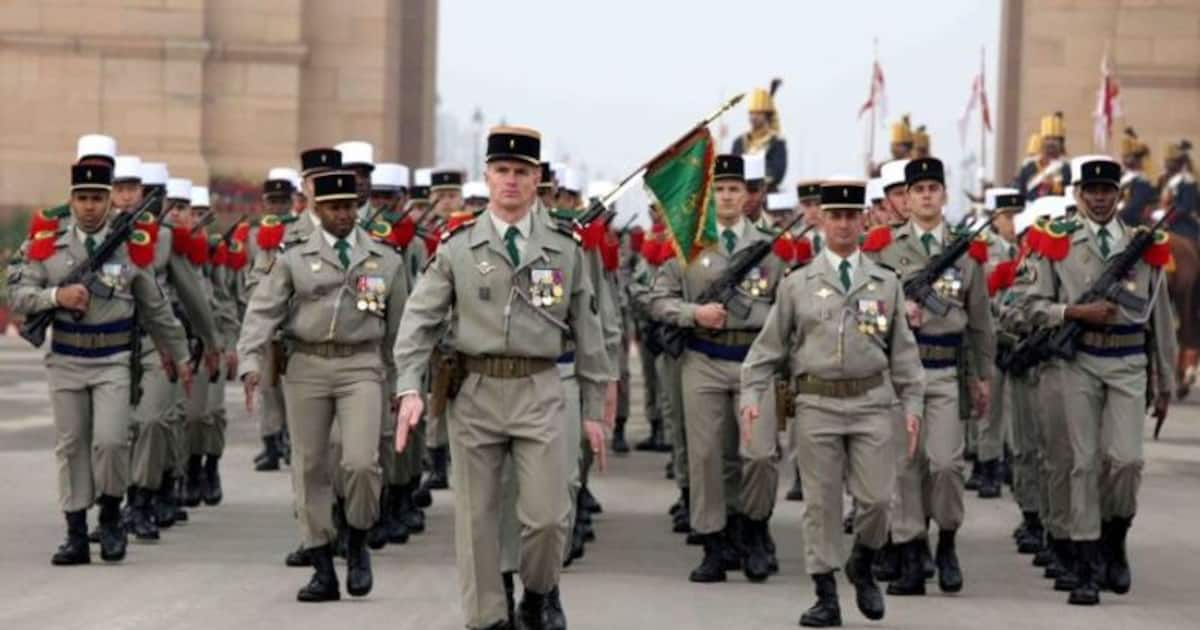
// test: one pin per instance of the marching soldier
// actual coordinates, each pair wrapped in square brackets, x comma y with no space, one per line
[921,145]
[780,209]
[89,362]
[756,194]
[895,191]
[547,187]
[1050,172]
[809,195]
[730,502]
[840,324]
[1105,384]
[358,157]
[931,483]
[127,182]
[568,194]
[512,276]
[1137,191]
[475,197]
[764,137]
[338,296]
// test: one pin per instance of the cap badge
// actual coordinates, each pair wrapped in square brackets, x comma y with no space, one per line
[323,156]
[924,166]
[512,143]
[845,193]
[87,175]
[1097,169]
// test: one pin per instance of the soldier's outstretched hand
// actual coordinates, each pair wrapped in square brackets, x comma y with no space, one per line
[407,417]
[249,385]
[749,417]
[595,436]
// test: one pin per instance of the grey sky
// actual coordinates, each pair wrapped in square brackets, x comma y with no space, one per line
[609,83]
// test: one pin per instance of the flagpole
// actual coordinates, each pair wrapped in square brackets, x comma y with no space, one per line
[982,113]
[874,106]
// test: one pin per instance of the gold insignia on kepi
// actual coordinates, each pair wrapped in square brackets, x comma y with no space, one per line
[1097,169]
[924,166]
[87,175]
[845,193]
[323,157]
[511,143]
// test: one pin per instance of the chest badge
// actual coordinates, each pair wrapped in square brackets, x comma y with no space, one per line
[824,292]
[485,267]
[315,267]
[706,262]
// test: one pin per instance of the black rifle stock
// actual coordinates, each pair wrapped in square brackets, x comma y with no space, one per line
[919,288]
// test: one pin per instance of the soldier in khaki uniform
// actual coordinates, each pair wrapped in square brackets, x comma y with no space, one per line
[337,295]
[930,484]
[513,278]
[730,503]
[88,364]
[1105,384]
[840,325]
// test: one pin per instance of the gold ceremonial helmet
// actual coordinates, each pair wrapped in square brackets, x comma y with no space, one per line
[1131,145]
[1177,150]
[1053,127]
[761,101]
[1034,145]
[920,139]
[902,131]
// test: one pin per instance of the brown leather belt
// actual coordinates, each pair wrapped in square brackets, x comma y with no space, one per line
[507,367]
[842,388]
[727,337]
[331,350]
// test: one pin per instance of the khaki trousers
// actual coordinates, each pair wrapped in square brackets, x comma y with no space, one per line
[710,404]
[204,419]
[317,391]
[670,378]
[91,424]
[155,417]
[1106,407]
[491,421]
[269,408]
[1055,454]
[844,439]
[992,428]
[1027,474]
[760,458]
[931,482]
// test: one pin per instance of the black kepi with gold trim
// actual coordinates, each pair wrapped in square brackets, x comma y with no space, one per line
[91,176]
[810,189]
[318,160]
[514,143]
[334,186]
[1096,169]
[844,195]
[920,169]
[445,179]
[547,176]
[729,166]
[278,187]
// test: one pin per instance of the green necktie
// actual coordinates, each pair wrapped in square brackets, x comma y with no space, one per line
[90,244]
[510,242]
[844,272]
[1104,238]
[927,241]
[730,240]
[817,242]
[343,249]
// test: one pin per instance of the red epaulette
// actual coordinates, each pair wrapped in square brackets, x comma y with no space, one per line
[270,232]
[637,236]
[592,235]
[784,248]
[877,239]
[198,249]
[403,231]
[181,240]
[237,257]
[978,249]
[41,245]
[1159,253]
[1002,276]
[804,250]
[140,247]
[1053,242]
[610,251]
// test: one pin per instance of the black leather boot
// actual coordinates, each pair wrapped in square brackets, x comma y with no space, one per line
[887,563]
[1116,562]
[976,477]
[866,591]
[655,442]
[950,578]
[1048,559]
[989,479]
[377,537]
[167,511]
[1032,535]
[341,529]
[510,594]
[681,523]
[733,552]
[439,475]
[1087,565]
[194,487]
[301,557]
[141,516]
[928,567]
[212,480]
[112,534]
[74,549]
[712,567]
[796,493]
[271,454]
[553,616]
[531,611]
[587,501]
[358,564]
[414,517]
[577,548]
[826,613]
[619,445]
[769,545]
[912,575]
[1068,577]
[398,501]
[756,564]
[323,586]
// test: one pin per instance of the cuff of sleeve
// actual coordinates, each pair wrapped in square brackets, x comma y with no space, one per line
[1057,314]
[52,297]
[687,315]
[750,398]
[407,384]
[593,400]
[914,407]
[246,365]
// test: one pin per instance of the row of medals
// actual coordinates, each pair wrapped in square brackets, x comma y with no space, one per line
[872,321]
[756,282]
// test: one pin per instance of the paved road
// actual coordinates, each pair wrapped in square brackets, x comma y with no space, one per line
[225,570]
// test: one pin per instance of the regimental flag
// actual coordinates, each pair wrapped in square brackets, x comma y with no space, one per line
[979,100]
[877,96]
[1108,105]
[680,180]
